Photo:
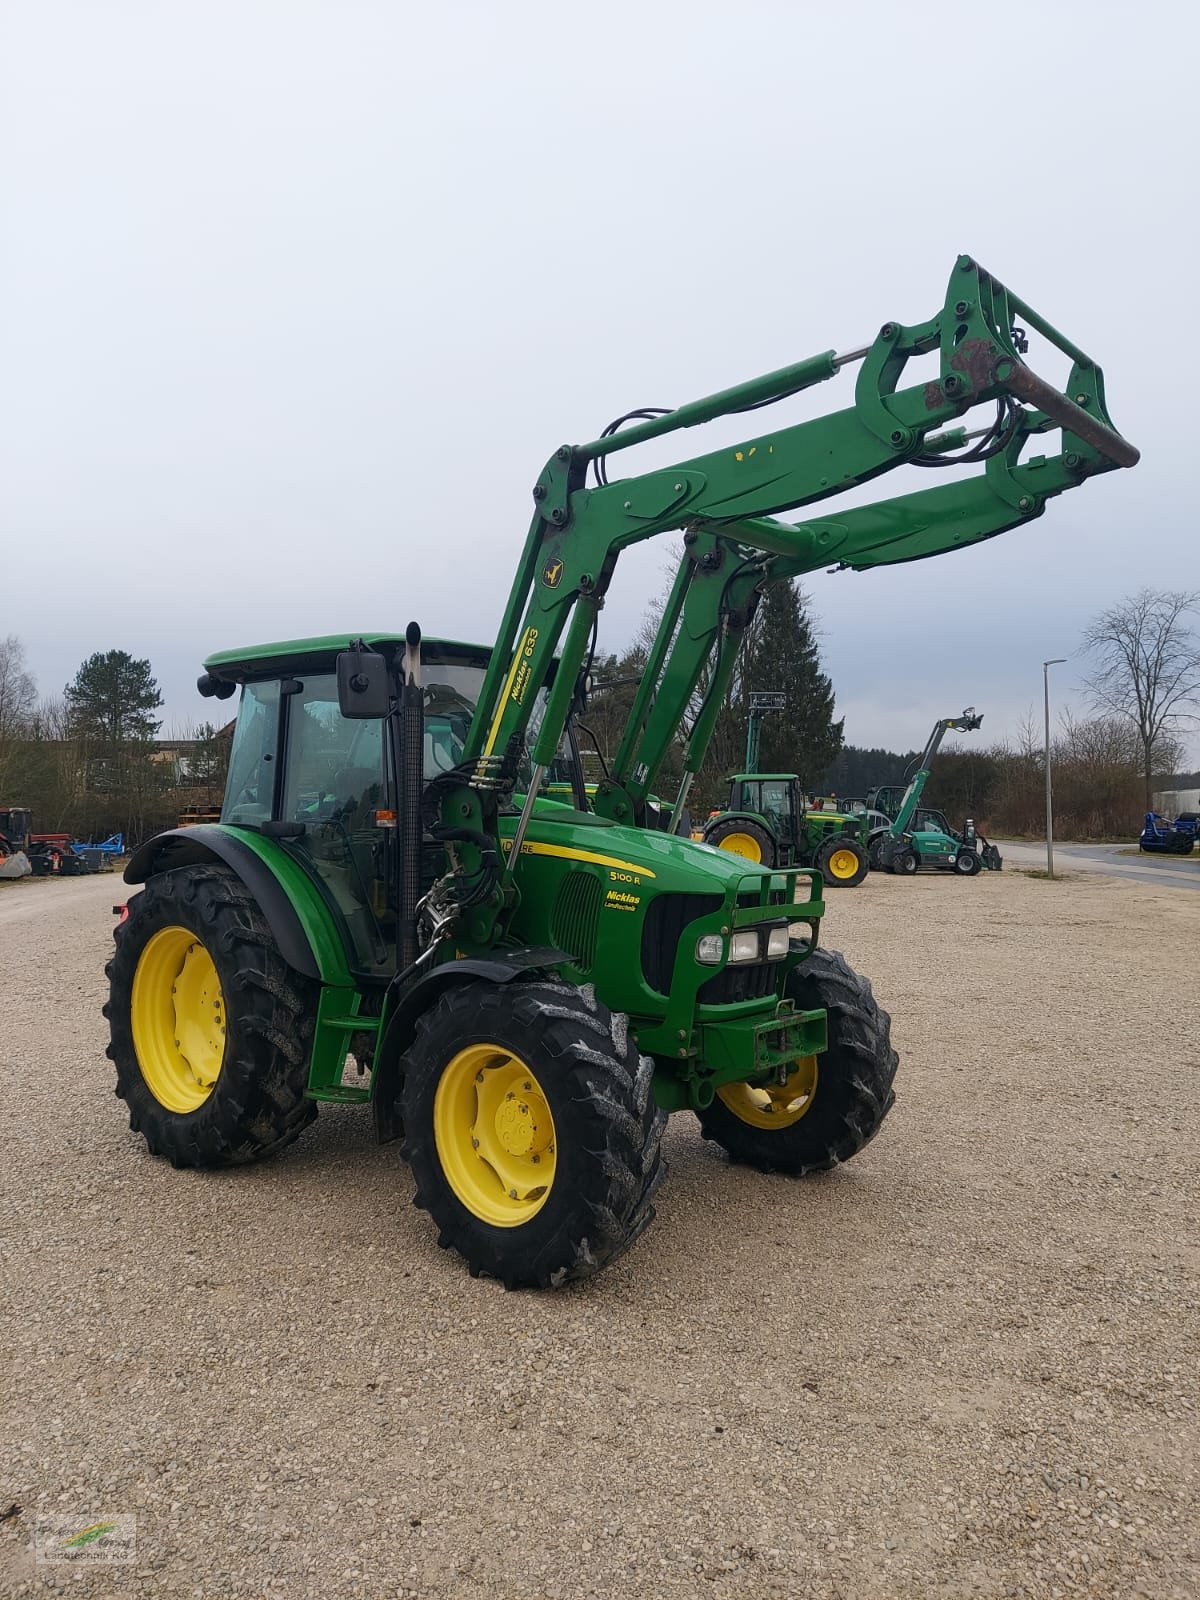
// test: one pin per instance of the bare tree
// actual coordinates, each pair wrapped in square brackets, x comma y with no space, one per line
[1146,668]
[18,692]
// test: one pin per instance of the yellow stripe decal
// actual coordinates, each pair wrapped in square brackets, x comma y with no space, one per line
[508,683]
[530,848]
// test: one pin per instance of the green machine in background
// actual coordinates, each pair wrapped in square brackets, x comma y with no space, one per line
[391,912]
[920,837]
[767,819]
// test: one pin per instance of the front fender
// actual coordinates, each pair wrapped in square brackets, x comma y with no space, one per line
[502,968]
[302,924]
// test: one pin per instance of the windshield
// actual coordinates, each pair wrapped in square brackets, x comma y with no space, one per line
[452,691]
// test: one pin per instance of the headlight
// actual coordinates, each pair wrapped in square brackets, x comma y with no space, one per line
[744,946]
[778,941]
[710,950]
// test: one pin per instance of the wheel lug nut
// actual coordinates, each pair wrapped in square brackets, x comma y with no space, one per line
[474,1144]
[527,1087]
[512,1194]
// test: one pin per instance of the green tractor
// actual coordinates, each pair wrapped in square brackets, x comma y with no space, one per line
[769,821]
[391,912]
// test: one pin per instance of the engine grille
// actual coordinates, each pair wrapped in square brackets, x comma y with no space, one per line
[666,918]
[751,981]
[575,916]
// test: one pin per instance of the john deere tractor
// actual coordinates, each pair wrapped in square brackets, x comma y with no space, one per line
[768,819]
[390,911]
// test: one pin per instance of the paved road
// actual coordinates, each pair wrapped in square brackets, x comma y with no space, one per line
[1170,872]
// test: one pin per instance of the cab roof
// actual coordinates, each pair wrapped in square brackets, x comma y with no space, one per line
[261,660]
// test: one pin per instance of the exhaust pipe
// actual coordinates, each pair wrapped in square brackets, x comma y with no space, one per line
[410,785]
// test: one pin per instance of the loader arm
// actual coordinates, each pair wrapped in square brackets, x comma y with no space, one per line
[727,567]
[727,501]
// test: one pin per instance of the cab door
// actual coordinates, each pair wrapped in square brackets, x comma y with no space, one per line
[337,815]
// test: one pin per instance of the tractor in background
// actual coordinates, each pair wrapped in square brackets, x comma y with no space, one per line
[768,819]
[49,854]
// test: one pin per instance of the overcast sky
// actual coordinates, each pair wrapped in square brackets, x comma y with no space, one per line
[296,299]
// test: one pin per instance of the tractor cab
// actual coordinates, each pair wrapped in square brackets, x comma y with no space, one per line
[16,825]
[324,784]
[775,800]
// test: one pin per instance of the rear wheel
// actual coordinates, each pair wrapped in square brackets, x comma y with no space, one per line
[532,1130]
[832,1104]
[906,863]
[842,862]
[211,1029]
[743,837]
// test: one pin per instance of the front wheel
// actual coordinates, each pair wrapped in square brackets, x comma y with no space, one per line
[831,1105]
[532,1130]
[842,862]
[967,863]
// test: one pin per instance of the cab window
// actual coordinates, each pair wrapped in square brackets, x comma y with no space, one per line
[250,785]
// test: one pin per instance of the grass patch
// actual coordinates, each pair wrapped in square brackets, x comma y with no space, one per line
[1040,872]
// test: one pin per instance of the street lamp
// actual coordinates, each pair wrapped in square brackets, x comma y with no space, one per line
[1058,661]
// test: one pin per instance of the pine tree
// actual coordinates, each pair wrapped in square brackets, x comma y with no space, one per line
[782,654]
[111,698]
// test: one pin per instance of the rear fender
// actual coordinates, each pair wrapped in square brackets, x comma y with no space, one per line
[303,926]
[743,816]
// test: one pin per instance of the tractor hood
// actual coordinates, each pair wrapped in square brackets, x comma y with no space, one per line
[669,861]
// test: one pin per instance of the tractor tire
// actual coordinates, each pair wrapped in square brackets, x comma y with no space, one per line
[834,1103]
[842,862]
[906,863]
[532,1130]
[211,1029]
[743,838]
[967,864]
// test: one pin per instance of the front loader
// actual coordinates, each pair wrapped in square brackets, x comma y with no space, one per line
[392,911]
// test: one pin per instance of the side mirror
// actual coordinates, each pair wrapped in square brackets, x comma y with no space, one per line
[364,684]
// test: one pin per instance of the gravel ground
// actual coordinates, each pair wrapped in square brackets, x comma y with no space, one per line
[963,1364]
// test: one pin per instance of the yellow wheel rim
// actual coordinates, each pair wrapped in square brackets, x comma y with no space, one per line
[777,1105]
[494,1135]
[177,1016]
[742,844]
[843,864]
